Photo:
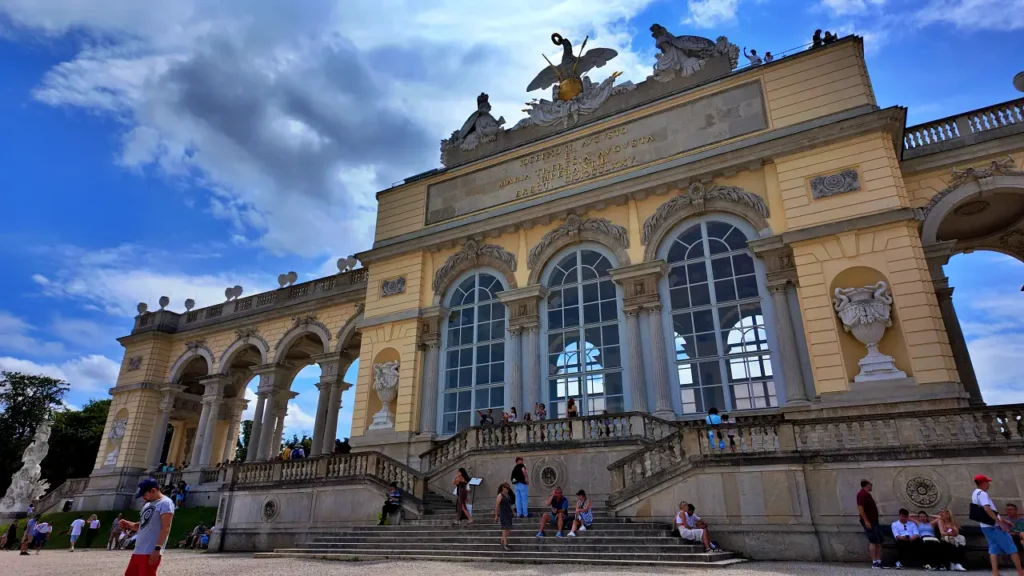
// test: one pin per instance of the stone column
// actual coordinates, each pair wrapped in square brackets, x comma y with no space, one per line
[430,344]
[272,378]
[659,364]
[525,382]
[214,390]
[257,426]
[197,442]
[634,352]
[331,430]
[639,284]
[159,435]
[174,453]
[788,355]
[515,373]
[235,406]
[281,405]
[938,255]
[958,344]
[328,375]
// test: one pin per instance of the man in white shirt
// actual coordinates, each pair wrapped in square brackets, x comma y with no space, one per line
[997,529]
[76,531]
[908,540]
[153,527]
[43,530]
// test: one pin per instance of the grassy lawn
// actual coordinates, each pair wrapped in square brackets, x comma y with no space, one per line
[184,521]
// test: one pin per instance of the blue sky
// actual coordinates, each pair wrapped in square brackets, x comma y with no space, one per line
[155,148]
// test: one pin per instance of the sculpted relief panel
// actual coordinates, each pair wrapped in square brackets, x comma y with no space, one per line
[727,114]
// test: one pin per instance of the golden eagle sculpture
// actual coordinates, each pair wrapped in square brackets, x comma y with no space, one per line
[568,73]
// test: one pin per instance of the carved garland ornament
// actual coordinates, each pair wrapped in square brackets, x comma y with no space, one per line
[832,184]
[696,196]
[959,177]
[304,320]
[250,332]
[469,254]
[572,228]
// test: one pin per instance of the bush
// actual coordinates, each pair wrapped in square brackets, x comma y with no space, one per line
[185,520]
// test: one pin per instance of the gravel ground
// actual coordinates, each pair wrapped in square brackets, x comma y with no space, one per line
[175,563]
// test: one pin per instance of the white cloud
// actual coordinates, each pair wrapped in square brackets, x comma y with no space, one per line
[293,118]
[993,324]
[999,15]
[40,279]
[115,280]
[87,374]
[711,13]
[297,421]
[15,336]
[847,7]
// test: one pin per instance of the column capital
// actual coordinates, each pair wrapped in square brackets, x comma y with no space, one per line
[639,283]
[523,305]
[213,387]
[168,393]
[937,255]
[430,326]
[270,375]
[777,257]
[944,292]
[777,285]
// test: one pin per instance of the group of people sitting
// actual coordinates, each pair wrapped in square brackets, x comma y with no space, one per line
[929,542]
[198,538]
[691,528]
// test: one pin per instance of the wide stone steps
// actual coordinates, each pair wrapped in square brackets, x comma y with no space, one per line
[616,543]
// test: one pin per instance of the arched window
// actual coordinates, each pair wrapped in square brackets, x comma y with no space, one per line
[721,344]
[584,362]
[474,369]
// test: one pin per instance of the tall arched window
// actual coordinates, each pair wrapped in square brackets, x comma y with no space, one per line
[584,362]
[474,370]
[721,343]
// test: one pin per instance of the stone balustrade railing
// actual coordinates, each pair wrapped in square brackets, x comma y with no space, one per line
[967,428]
[168,321]
[358,466]
[963,129]
[213,475]
[67,489]
[628,426]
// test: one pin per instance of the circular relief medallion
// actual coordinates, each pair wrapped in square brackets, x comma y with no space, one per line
[270,510]
[549,476]
[922,491]
[972,208]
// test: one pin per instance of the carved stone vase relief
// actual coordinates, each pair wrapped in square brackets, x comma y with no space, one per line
[385,383]
[866,313]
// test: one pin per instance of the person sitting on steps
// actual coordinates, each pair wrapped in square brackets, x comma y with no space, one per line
[583,518]
[692,528]
[393,503]
[559,509]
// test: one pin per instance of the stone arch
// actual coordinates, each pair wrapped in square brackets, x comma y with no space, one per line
[348,331]
[245,338]
[699,200]
[193,349]
[987,185]
[473,255]
[303,325]
[574,231]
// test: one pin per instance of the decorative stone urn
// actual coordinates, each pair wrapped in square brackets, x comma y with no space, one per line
[385,382]
[865,313]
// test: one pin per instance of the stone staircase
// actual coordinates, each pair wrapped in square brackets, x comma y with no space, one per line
[612,541]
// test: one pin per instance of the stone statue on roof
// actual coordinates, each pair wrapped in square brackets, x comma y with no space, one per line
[572,94]
[478,128]
[683,56]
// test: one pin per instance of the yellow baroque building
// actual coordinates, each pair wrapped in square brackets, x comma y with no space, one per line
[765,241]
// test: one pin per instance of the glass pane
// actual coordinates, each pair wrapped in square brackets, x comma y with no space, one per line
[721,268]
[725,291]
[683,323]
[498,352]
[613,383]
[498,396]
[688,375]
[697,272]
[591,292]
[706,345]
[497,372]
[743,264]
[571,297]
[449,425]
[615,404]
[484,313]
[465,357]
[677,277]
[483,332]
[746,287]
[680,298]
[607,290]
[609,335]
[736,239]
[465,399]
[589,258]
[451,379]
[555,320]
[714,397]
[465,377]
[572,316]
[609,311]
[717,246]
[450,402]
[603,267]
[690,401]
[482,400]
[718,230]
[703,321]
[591,313]
[464,420]
[611,357]
[700,295]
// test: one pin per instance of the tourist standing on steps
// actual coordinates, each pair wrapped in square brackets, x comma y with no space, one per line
[503,513]
[461,483]
[76,531]
[868,511]
[995,528]
[521,487]
[154,526]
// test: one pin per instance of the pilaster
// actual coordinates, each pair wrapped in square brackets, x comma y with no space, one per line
[430,344]
[639,283]
[523,306]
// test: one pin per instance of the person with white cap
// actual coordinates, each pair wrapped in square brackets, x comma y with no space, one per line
[154,526]
[995,528]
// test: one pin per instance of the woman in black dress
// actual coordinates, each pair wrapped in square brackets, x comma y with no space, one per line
[461,482]
[503,512]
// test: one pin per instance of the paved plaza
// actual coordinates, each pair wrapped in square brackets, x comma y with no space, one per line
[176,563]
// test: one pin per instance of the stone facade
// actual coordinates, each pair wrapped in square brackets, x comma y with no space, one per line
[649,273]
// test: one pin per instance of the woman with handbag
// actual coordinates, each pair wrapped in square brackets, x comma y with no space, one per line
[995,529]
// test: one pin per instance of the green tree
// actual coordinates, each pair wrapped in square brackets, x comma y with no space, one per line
[74,442]
[25,401]
[243,441]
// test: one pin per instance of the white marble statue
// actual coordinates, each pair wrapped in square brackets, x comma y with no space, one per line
[26,485]
[865,313]
[683,56]
[385,382]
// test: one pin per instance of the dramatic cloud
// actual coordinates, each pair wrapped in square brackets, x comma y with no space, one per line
[16,336]
[845,7]
[998,15]
[711,13]
[993,323]
[292,119]
[89,375]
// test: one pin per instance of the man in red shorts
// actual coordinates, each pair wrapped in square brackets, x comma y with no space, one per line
[153,527]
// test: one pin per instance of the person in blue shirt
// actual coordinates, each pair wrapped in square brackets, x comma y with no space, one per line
[393,503]
[559,506]
[30,533]
[714,422]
